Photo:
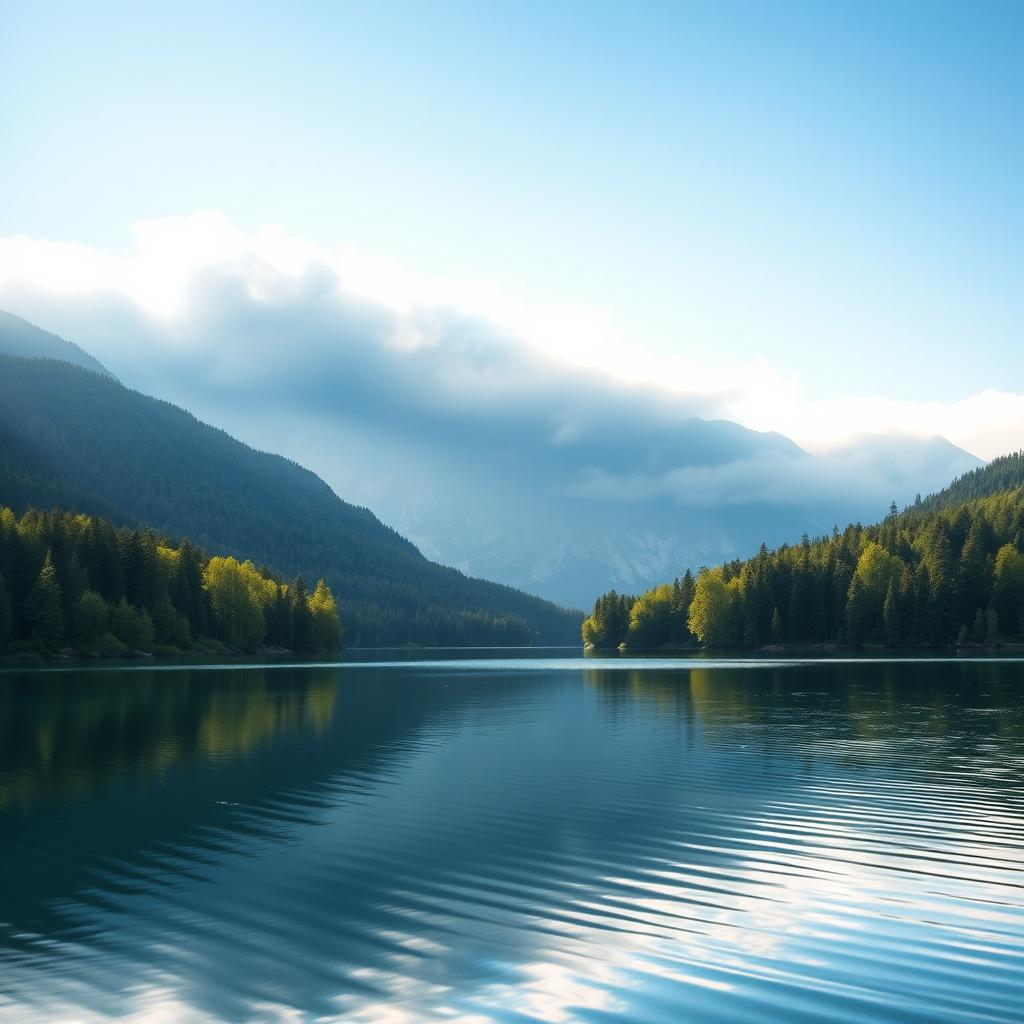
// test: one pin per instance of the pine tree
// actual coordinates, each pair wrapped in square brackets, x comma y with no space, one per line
[43,606]
[279,619]
[892,615]
[302,621]
[858,613]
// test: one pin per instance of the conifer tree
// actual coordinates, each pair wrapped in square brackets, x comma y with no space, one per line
[43,606]
[302,621]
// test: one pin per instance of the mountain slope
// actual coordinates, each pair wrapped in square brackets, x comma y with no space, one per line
[159,465]
[1001,474]
[27,478]
[18,337]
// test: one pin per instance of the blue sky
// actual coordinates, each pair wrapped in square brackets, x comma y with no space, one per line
[833,189]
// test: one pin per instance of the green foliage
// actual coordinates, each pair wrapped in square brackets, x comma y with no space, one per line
[74,439]
[935,574]
[654,619]
[302,625]
[65,574]
[938,574]
[92,617]
[134,628]
[608,624]
[996,477]
[235,602]
[108,646]
[714,611]
[651,617]
[43,606]
[324,613]
[1008,589]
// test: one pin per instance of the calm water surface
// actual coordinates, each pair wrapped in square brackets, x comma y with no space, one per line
[514,840]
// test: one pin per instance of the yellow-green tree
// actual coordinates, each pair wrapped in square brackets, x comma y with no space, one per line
[237,614]
[326,624]
[877,570]
[650,619]
[713,609]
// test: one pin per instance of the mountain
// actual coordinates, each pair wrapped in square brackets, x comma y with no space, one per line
[80,438]
[20,338]
[492,457]
[568,522]
[550,481]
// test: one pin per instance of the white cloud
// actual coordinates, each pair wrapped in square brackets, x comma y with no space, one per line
[170,255]
[988,424]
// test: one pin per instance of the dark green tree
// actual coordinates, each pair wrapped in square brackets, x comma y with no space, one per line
[302,621]
[43,607]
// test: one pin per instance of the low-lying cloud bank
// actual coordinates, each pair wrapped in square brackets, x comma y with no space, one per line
[253,329]
[198,295]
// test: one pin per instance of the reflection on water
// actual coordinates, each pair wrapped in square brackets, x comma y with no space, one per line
[75,730]
[514,840]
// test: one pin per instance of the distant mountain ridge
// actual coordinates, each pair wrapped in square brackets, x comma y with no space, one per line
[18,337]
[712,492]
[72,436]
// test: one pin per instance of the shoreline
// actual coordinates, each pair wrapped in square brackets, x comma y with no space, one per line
[72,654]
[790,650]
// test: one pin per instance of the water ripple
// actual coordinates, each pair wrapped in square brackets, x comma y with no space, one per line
[495,841]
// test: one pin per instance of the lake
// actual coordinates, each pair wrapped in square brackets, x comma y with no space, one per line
[514,839]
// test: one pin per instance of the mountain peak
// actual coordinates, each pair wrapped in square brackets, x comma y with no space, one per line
[18,337]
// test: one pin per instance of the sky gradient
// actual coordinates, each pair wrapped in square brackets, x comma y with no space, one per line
[805,203]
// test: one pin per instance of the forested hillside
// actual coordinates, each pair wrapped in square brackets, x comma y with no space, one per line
[68,579]
[1001,474]
[944,571]
[82,440]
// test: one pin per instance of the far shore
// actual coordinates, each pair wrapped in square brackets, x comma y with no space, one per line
[794,650]
[28,657]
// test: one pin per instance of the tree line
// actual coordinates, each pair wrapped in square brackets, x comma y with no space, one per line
[653,619]
[937,574]
[74,580]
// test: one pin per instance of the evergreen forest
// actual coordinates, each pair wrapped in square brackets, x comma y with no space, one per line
[948,570]
[69,580]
